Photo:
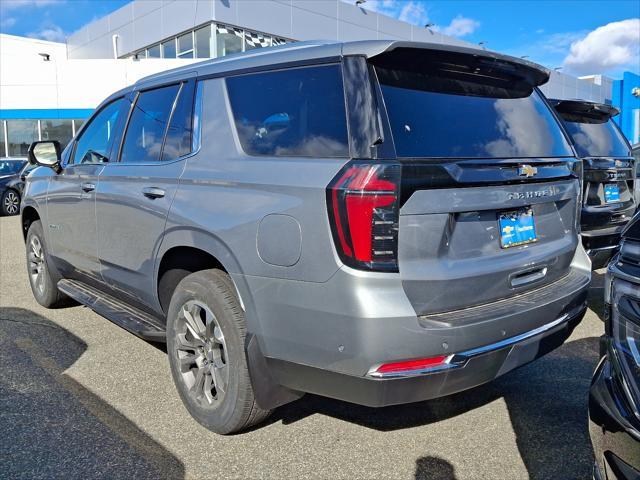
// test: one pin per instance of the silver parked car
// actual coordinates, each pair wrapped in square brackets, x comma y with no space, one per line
[379,222]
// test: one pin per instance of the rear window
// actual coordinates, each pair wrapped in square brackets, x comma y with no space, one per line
[294,112]
[433,114]
[597,139]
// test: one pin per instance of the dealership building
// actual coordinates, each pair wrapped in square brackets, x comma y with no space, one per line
[48,89]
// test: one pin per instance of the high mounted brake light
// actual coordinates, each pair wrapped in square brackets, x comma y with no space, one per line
[363,209]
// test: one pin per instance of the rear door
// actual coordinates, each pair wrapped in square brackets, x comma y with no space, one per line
[135,193]
[489,182]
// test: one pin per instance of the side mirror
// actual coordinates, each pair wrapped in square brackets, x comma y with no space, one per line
[46,154]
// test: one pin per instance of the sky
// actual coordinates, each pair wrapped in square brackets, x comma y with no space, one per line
[579,36]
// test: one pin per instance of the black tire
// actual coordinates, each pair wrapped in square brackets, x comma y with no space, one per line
[42,278]
[10,202]
[205,310]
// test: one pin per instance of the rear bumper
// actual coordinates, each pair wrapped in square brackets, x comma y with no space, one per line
[614,431]
[480,366]
[602,244]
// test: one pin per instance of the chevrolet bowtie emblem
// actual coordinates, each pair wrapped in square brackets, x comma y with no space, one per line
[527,171]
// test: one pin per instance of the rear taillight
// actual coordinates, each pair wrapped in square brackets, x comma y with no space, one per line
[363,208]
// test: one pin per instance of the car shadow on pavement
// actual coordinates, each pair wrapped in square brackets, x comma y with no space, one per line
[434,468]
[546,401]
[52,426]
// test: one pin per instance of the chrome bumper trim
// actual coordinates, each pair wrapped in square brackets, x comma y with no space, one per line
[458,360]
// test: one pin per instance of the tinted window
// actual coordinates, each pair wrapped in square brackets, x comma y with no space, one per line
[10,167]
[597,139]
[93,144]
[178,142]
[296,112]
[433,115]
[148,122]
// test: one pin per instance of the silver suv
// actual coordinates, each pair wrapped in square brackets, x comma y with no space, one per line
[379,222]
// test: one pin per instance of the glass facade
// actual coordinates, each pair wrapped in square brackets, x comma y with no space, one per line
[20,134]
[60,130]
[16,135]
[210,41]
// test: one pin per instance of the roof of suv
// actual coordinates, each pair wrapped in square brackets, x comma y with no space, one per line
[582,108]
[312,50]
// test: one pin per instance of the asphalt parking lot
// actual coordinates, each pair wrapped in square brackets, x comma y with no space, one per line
[82,398]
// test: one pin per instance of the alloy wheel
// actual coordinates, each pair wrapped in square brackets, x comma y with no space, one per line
[37,264]
[11,203]
[202,353]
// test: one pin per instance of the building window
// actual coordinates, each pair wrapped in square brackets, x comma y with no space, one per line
[228,40]
[255,40]
[203,42]
[60,130]
[185,45]
[3,142]
[169,49]
[153,52]
[20,134]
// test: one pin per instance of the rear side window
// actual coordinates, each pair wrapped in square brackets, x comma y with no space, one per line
[597,139]
[95,139]
[147,125]
[294,112]
[178,141]
[437,115]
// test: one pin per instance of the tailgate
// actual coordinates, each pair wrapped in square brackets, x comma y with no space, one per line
[450,251]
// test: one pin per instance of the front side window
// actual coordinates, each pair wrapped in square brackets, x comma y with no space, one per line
[293,112]
[93,145]
[435,112]
[596,138]
[147,125]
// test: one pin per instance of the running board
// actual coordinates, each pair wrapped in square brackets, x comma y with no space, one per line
[136,321]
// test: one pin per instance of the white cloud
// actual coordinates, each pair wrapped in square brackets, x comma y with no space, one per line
[608,47]
[460,26]
[414,13]
[15,4]
[51,33]
[7,22]
[406,11]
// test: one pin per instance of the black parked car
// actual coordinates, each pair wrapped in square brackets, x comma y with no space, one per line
[12,174]
[608,195]
[614,399]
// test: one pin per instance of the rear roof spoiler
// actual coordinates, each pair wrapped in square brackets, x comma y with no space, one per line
[588,110]
[455,57]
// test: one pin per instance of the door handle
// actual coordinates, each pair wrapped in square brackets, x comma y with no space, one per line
[153,192]
[88,187]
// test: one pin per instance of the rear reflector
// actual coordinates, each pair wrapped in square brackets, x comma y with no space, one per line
[423,363]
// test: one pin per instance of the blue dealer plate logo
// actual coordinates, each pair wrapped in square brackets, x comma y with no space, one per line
[611,193]
[517,228]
